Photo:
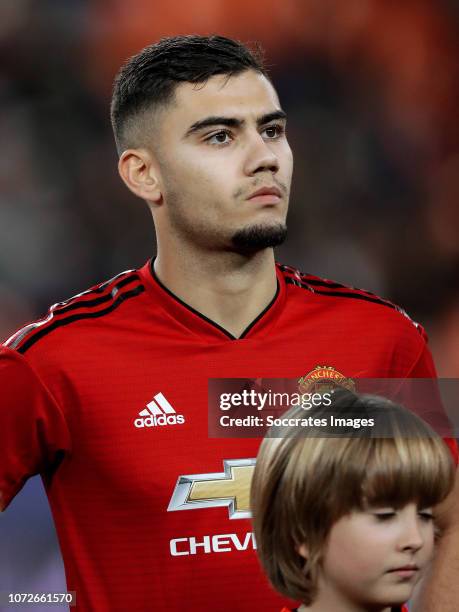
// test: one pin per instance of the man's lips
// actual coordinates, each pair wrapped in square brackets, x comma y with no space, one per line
[268,195]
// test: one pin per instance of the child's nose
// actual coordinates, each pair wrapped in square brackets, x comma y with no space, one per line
[412,536]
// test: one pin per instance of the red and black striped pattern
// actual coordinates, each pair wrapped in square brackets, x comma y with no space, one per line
[323,286]
[95,302]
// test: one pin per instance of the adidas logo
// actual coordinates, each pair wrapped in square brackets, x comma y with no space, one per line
[158,413]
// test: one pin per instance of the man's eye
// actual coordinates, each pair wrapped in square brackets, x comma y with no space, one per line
[222,137]
[274,131]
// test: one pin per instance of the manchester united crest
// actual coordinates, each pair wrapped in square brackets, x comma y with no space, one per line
[323,379]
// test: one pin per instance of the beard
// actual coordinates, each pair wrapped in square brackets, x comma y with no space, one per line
[257,237]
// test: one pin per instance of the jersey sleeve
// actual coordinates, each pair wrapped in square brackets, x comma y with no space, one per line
[33,430]
[424,366]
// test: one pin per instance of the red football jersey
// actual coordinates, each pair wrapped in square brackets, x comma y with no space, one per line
[154,517]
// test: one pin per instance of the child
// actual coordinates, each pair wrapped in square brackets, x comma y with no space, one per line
[346,523]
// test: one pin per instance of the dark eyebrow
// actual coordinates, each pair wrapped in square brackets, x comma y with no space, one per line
[279,114]
[214,120]
[232,121]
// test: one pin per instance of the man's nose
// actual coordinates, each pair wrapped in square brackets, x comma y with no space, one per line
[260,156]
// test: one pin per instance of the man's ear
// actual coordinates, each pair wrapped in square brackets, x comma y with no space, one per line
[140,173]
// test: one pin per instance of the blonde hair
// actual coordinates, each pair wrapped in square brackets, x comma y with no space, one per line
[306,480]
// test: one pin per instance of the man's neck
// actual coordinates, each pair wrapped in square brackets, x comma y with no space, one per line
[230,289]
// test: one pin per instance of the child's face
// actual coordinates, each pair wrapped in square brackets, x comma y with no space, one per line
[376,556]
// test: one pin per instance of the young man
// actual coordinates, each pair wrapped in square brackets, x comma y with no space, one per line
[346,522]
[106,396]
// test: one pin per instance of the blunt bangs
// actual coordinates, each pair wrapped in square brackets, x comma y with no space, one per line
[404,470]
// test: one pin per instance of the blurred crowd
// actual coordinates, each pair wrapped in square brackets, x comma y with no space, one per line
[371,88]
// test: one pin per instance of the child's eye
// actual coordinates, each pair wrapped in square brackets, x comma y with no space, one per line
[426,515]
[384,515]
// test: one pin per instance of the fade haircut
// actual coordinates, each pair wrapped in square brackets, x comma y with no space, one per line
[305,481]
[149,79]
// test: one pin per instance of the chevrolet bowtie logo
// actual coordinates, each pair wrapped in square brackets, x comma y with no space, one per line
[230,488]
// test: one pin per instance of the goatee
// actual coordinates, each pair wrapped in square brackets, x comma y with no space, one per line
[258,237]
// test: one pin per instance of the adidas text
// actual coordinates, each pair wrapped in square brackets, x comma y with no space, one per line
[153,421]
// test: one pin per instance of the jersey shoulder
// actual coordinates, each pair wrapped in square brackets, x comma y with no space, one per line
[94,304]
[347,296]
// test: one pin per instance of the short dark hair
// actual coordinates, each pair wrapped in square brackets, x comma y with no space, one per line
[150,77]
